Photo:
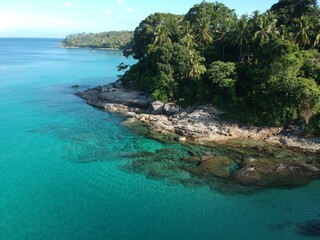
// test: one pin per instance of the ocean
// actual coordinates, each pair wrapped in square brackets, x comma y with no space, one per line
[63,174]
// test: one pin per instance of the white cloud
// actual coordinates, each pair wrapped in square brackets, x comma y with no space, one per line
[121,2]
[129,10]
[68,4]
[9,21]
[108,12]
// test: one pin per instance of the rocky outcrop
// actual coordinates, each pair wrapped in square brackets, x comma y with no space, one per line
[157,107]
[259,172]
[200,124]
[115,93]
[171,108]
[261,157]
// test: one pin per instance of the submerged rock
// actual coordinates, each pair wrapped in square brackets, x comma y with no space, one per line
[253,171]
[309,228]
[220,166]
[245,157]
[274,173]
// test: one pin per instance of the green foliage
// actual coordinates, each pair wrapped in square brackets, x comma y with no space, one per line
[258,68]
[301,20]
[160,95]
[314,125]
[113,39]
[156,29]
[311,66]
[222,74]
[289,98]
[289,10]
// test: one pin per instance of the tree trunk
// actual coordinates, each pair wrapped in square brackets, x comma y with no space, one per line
[223,52]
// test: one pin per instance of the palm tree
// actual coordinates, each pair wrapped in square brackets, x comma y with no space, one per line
[316,42]
[161,36]
[174,27]
[282,32]
[302,37]
[203,32]
[242,33]
[196,68]
[255,19]
[267,25]
[188,38]
[222,32]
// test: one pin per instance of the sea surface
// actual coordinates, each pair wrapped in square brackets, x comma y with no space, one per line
[62,174]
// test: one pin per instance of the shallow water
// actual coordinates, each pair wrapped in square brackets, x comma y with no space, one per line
[62,164]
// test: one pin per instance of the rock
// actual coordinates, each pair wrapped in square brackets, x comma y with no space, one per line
[171,108]
[114,107]
[75,86]
[191,159]
[110,107]
[128,121]
[180,139]
[201,123]
[273,173]
[157,107]
[130,114]
[220,166]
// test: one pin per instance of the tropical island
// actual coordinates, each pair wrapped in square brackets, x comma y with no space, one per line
[210,76]
[106,40]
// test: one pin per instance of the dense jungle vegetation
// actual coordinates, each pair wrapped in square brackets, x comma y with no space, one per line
[263,68]
[113,39]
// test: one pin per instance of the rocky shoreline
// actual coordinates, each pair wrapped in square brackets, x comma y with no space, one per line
[93,48]
[199,124]
[234,154]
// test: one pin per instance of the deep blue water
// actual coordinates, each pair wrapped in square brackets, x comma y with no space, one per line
[60,164]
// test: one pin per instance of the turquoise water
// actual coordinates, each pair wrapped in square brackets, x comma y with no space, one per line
[61,174]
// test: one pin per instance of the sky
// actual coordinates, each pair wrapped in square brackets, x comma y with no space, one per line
[56,18]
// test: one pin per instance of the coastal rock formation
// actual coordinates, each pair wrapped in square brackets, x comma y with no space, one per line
[251,156]
[115,93]
[171,108]
[199,124]
[157,107]
[259,172]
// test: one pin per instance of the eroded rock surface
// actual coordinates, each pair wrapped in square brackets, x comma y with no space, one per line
[200,124]
[246,158]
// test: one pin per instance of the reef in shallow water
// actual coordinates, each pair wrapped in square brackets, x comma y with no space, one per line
[309,228]
[229,168]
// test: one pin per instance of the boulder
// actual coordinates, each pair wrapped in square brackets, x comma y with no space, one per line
[157,107]
[182,139]
[130,114]
[171,108]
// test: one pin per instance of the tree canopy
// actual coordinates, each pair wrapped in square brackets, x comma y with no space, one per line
[113,39]
[263,68]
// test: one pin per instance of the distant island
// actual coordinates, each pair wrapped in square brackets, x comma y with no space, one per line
[108,40]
